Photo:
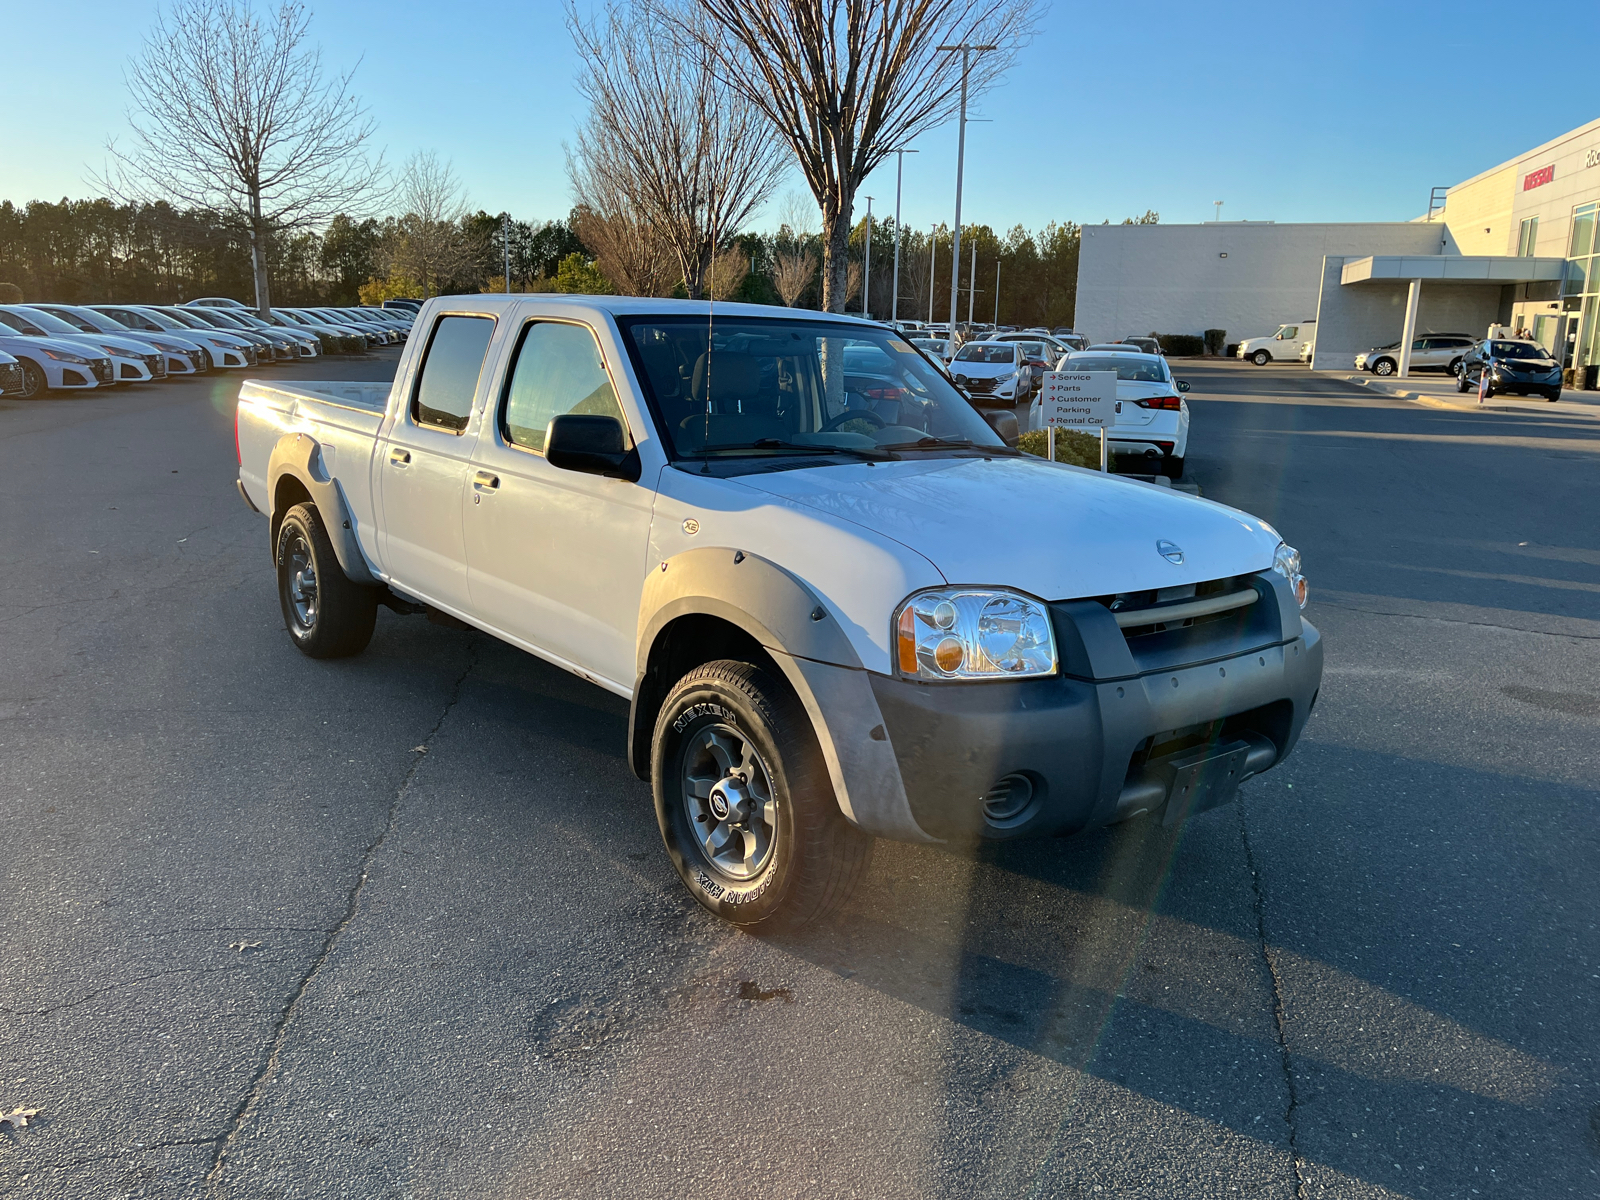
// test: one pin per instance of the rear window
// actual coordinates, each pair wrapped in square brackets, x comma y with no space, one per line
[449,380]
[1134,370]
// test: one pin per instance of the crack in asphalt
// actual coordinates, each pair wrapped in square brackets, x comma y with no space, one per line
[280,1030]
[1278,1016]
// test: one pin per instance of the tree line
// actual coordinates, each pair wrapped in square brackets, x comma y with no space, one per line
[97,250]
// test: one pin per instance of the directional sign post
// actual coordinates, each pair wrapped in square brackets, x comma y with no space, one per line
[1078,400]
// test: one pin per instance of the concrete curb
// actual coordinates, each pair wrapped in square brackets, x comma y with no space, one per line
[1404,390]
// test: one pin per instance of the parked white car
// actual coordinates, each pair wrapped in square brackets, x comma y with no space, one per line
[132,361]
[1283,346]
[1151,427]
[992,371]
[183,357]
[826,617]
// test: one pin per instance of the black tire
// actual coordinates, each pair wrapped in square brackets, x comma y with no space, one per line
[734,732]
[34,382]
[1455,366]
[1462,383]
[1384,366]
[326,614]
[1172,467]
[1261,358]
[1553,396]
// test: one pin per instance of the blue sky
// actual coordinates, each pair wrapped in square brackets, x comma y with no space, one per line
[1285,111]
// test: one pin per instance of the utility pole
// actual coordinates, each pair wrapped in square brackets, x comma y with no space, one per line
[933,269]
[972,283]
[899,175]
[997,293]
[505,244]
[1218,203]
[866,270]
[967,50]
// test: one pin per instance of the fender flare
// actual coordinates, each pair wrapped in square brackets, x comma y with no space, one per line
[300,455]
[803,637]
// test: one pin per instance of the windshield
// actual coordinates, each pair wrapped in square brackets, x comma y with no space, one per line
[46,322]
[994,353]
[1127,367]
[769,384]
[85,323]
[1517,350]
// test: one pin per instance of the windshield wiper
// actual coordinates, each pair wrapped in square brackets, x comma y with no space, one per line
[802,448]
[937,443]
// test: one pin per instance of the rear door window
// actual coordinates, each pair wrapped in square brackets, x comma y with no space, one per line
[450,370]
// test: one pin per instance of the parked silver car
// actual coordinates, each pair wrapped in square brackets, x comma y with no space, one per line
[1429,352]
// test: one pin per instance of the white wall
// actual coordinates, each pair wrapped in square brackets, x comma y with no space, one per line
[1359,316]
[1133,279]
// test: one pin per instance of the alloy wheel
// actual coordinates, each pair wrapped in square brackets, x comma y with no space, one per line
[727,794]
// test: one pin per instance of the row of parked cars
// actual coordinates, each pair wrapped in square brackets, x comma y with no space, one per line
[1004,368]
[83,346]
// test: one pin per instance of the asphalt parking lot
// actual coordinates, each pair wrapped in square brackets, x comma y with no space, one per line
[402,925]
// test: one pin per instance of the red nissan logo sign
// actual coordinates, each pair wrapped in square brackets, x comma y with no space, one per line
[1539,178]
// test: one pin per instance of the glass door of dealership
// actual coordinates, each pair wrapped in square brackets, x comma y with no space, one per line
[1581,292]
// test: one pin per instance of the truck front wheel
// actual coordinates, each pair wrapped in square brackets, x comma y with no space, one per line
[1261,358]
[745,804]
[327,615]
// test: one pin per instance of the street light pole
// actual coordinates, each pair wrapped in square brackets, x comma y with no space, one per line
[899,174]
[997,293]
[967,50]
[933,269]
[505,244]
[972,283]
[866,269]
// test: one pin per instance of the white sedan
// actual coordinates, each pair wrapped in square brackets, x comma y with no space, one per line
[1152,417]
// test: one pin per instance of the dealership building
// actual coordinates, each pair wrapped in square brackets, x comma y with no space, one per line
[1514,246]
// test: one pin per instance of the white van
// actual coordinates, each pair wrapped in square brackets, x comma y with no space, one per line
[1283,346]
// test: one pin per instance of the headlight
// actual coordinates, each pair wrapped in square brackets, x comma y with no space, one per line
[63,356]
[1286,562]
[115,352]
[974,633]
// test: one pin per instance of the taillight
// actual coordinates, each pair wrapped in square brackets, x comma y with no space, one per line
[1172,402]
[885,393]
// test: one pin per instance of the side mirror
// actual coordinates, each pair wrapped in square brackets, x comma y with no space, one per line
[1183,385]
[1004,423]
[593,445]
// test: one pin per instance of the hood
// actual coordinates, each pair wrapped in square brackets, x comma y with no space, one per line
[1054,531]
[20,343]
[128,346]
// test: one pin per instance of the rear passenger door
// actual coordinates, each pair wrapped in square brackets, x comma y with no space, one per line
[556,559]
[422,463]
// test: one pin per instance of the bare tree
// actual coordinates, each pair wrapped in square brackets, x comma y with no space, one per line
[852,281]
[727,272]
[232,112]
[792,273]
[694,158]
[846,81]
[628,250]
[428,243]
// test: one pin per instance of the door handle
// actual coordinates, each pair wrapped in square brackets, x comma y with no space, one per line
[485,481]
[399,457]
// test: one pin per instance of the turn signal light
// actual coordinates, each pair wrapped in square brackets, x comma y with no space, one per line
[1172,402]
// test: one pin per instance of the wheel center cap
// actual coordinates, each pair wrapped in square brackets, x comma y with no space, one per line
[727,801]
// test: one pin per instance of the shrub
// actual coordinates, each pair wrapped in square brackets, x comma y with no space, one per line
[1183,345]
[1215,339]
[1072,446]
[10,293]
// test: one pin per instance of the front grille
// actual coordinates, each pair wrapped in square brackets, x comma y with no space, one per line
[102,370]
[981,387]
[1130,606]
[157,364]
[10,377]
[250,355]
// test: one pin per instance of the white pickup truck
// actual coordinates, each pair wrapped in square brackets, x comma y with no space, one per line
[841,606]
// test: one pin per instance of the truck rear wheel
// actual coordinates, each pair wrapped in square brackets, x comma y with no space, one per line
[745,804]
[327,615]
